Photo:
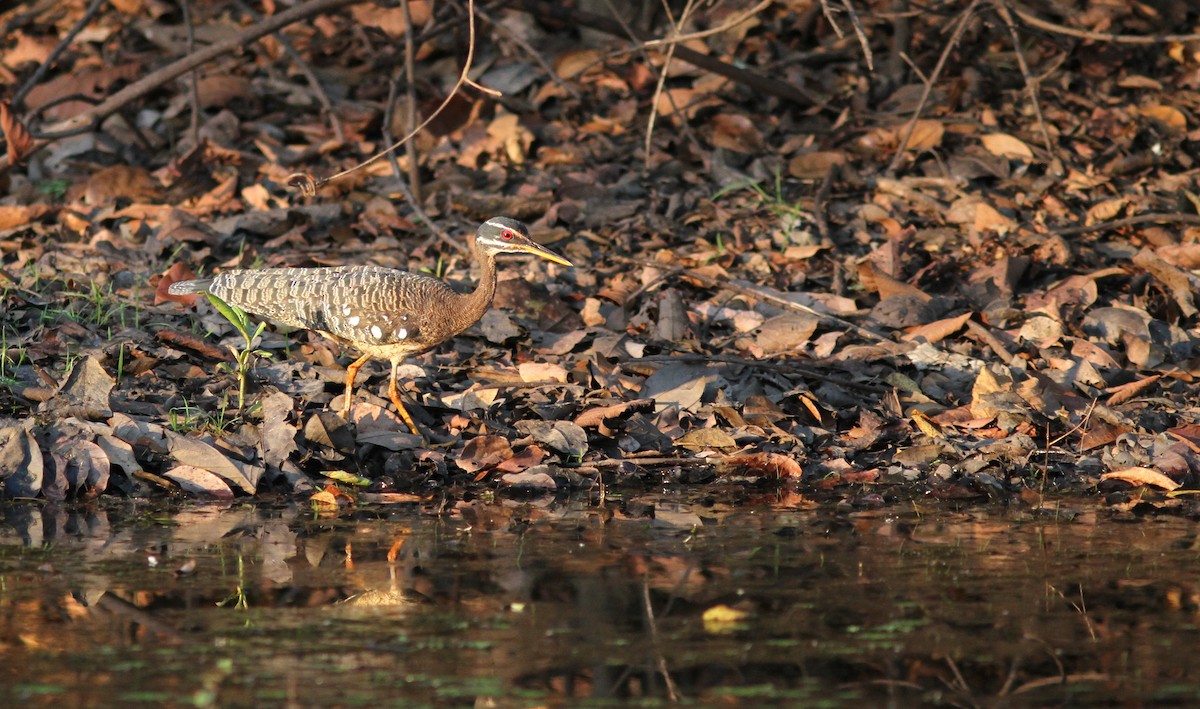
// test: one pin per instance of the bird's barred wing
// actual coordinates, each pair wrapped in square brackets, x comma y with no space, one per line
[370,323]
[365,304]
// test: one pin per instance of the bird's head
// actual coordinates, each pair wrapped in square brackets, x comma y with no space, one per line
[502,235]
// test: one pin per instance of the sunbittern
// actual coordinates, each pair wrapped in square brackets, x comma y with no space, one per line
[381,312]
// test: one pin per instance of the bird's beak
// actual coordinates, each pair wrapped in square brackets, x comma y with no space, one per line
[539,250]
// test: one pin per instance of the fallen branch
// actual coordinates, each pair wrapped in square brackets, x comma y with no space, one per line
[147,84]
[754,80]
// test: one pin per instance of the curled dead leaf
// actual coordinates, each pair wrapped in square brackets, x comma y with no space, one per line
[1007,146]
[1137,475]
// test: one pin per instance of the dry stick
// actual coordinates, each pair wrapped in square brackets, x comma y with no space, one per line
[1156,218]
[413,204]
[410,118]
[662,81]
[1032,84]
[63,43]
[174,70]
[663,668]
[859,32]
[758,82]
[193,76]
[1048,26]
[640,49]
[821,200]
[937,71]
[682,357]
[724,27]
[309,75]
[760,293]
[309,186]
[533,53]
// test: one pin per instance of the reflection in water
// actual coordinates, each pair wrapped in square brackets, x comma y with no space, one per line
[521,604]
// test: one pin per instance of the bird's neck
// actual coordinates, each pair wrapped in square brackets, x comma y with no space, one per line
[474,304]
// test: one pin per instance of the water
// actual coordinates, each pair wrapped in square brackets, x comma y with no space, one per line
[646,600]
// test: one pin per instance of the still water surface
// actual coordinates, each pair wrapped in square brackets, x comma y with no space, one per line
[563,603]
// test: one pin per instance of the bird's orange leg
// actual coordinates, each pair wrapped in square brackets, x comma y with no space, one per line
[351,373]
[394,395]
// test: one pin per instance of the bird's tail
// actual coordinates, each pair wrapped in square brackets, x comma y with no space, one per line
[199,285]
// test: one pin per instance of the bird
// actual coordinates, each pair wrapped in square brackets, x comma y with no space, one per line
[381,312]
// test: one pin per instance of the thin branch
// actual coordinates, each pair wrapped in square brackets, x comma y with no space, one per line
[1048,26]
[309,75]
[410,118]
[724,27]
[402,183]
[147,84]
[759,82]
[528,48]
[967,14]
[1031,82]
[309,186]
[193,76]
[62,45]
[662,82]
[1156,218]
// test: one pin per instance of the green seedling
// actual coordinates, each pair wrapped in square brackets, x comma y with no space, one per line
[243,356]
[439,269]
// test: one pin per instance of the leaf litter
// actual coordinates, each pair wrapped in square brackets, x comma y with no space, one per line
[919,297]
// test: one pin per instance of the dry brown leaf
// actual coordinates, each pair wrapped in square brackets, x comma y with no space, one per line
[1170,116]
[1125,392]
[926,134]
[121,181]
[1100,434]
[1106,210]
[766,464]
[988,218]
[1007,146]
[876,280]
[1137,475]
[199,481]
[178,271]
[571,64]
[936,331]
[483,452]
[815,166]
[736,132]
[88,82]
[20,142]
[15,216]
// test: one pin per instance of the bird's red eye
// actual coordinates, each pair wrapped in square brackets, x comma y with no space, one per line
[506,235]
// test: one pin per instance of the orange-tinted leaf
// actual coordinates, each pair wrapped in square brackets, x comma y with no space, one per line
[1138,475]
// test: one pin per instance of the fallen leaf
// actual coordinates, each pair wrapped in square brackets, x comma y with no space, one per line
[1007,146]
[1137,475]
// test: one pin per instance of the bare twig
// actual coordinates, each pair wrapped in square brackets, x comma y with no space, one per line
[63,43]
[763,294]
[662,80]
[859,32]
[937,72]
[1034,21]
[193,76]
[663,669]
[532,52]
[140,88]
[1156,218]
[723,27]
[402,183]
[309,186]
[1031,82]
[309,75]
[759,82]
[410,110]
